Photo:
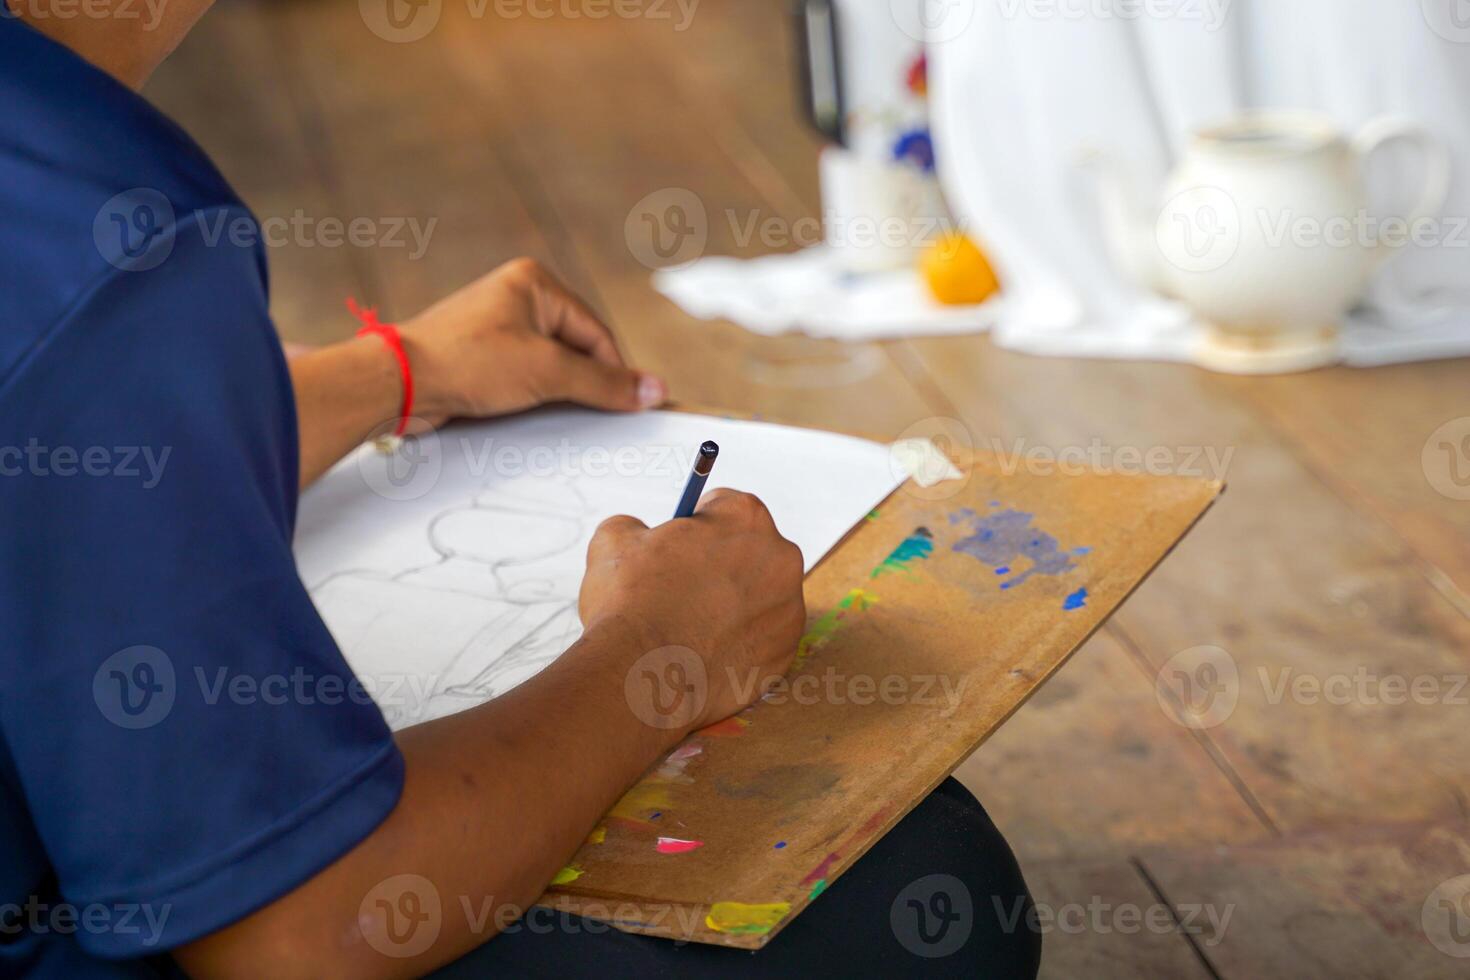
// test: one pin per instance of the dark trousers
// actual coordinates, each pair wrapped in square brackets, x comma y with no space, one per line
[940,895]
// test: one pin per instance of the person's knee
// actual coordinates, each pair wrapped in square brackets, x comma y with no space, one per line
[977,911]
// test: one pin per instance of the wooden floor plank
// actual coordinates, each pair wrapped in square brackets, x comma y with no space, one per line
[406,144]
[737,63]
[1368,434]
[1102,921]
[229,86]
[1094,767]
[1283,574]
[1376,904]
[596,173]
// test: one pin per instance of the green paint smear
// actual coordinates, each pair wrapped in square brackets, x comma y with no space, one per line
[818,888]
[858,600]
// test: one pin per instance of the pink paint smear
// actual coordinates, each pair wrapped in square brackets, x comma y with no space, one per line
[673,845]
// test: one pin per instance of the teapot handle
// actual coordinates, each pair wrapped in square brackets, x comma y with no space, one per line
[1380,132]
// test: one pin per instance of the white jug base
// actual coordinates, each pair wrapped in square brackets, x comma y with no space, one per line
[1285,352]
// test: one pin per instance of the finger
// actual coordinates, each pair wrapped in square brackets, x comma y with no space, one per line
[614,533]
[581,379]
[745,506]
[564,317]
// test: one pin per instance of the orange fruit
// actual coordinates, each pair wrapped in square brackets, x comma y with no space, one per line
[957,272]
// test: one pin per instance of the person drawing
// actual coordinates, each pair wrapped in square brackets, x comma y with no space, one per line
[183,785]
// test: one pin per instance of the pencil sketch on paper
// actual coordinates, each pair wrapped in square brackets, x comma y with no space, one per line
[447,592]
[496,604]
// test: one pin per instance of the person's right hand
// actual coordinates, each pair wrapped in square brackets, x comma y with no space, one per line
[723,584]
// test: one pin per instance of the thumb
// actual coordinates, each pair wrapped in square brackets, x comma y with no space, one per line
[612,387]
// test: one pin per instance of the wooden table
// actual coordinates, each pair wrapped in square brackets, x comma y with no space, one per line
[1321,825]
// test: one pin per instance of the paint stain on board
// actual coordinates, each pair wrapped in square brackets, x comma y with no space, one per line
[567,875]
[916,547]
[819,876]
[820,633]
[677,845]
[638,803]
[787,784]
[822,870]
[1003,538]
[672,769]
[731,727]
[739,918]
[1075,601]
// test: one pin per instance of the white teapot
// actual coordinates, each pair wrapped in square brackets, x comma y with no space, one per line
[1264,232]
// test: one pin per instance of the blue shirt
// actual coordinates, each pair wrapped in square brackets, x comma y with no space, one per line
[181,741]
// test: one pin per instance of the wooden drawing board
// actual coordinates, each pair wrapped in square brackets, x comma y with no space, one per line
[928,626]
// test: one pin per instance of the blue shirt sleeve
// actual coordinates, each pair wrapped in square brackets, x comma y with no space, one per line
[185,733]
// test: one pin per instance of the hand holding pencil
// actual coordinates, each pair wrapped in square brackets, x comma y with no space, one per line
[724,584]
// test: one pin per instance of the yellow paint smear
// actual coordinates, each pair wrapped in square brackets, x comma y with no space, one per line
[737,917]
[639,800]
[597,836]
[567,875]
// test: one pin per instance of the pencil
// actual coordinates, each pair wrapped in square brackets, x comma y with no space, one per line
[703,463]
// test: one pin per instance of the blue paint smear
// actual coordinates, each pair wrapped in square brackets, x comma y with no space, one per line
[780,844]
[1081,551]
[1000,539]
[1076,600]
[917,546]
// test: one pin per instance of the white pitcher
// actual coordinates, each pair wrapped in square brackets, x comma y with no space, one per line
[1265,232]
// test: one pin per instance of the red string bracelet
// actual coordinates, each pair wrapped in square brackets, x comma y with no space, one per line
[390,336]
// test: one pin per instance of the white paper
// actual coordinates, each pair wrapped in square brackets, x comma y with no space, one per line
[449,572]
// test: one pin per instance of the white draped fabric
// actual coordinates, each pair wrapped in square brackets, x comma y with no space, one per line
[1021,88]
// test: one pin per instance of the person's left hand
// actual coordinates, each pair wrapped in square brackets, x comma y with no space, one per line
[517,339]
